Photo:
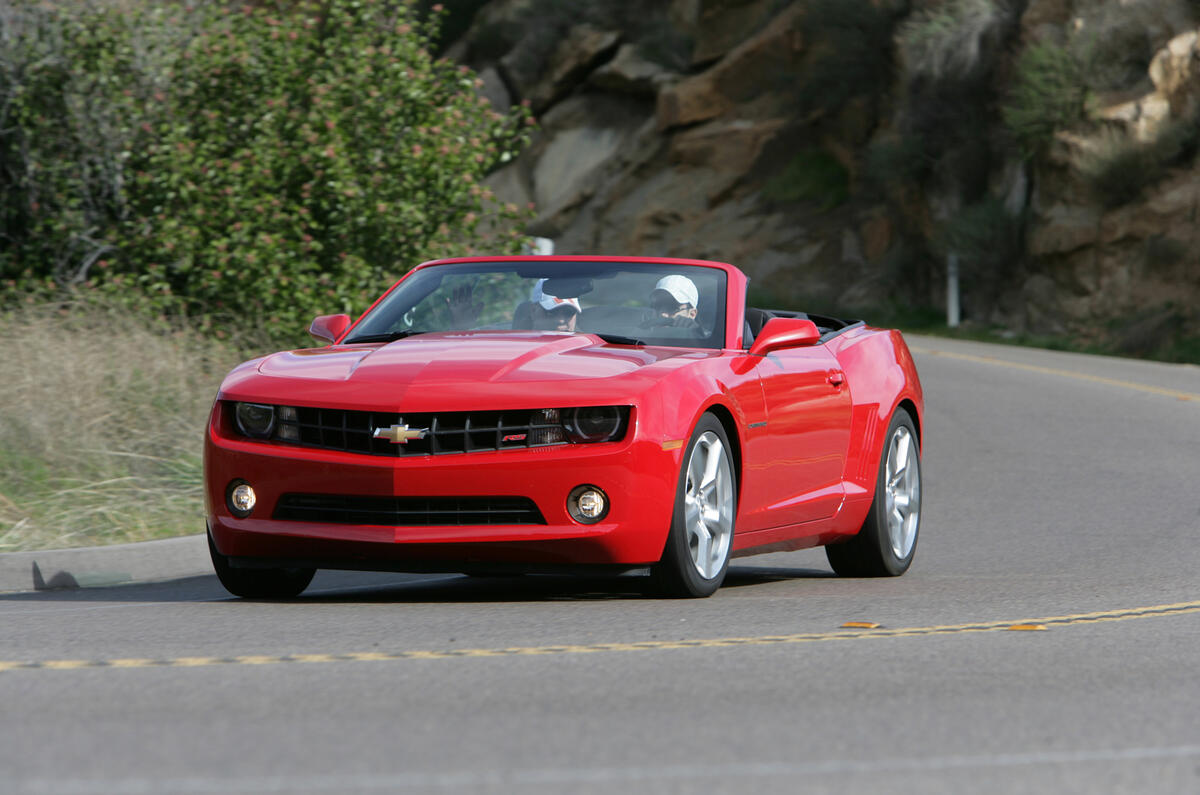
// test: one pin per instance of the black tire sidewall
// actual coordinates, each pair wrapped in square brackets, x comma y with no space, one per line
[891,562]
[676,573]
[258,583]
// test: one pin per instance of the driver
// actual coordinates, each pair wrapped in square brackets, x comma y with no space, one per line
[673,302]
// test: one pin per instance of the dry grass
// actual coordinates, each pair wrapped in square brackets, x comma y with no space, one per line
[101,427]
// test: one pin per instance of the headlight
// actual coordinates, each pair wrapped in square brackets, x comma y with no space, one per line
[255,419]
[594,423]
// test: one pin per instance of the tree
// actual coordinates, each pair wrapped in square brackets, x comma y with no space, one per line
[279,161]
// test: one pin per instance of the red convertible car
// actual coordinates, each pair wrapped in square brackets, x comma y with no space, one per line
[518,414]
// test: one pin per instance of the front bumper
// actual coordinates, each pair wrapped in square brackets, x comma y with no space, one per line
[638,476]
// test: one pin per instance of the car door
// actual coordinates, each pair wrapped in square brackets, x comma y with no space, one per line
[801,457]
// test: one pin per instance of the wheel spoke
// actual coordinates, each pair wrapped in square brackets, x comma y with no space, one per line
[903,442]
[713,456]
[703,557]
[695,473]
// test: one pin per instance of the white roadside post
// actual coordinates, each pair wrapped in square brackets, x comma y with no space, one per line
[952,309]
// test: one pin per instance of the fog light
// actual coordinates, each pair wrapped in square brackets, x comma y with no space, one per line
[587,504]
[240,498]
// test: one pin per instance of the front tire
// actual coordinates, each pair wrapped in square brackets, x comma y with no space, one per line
[696,555]
[885,545]
[258,583]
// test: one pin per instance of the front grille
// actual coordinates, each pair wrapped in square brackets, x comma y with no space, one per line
[448,432]
[407,511]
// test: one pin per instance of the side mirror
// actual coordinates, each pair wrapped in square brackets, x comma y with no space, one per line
[328,328]
[784,332]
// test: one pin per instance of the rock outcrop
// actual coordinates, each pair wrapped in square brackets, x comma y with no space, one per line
[690,156]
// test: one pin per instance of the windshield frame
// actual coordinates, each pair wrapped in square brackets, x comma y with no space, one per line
[390,304]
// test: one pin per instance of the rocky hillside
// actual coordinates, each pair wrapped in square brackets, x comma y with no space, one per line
[841,150]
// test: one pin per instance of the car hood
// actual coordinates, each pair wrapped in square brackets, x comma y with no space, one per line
[460,367]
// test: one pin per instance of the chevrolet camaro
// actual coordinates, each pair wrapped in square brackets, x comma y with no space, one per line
[493,415]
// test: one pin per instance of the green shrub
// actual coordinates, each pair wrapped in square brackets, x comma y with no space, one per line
[265,166]
[952,41]
[302,162]
[1119,168]
[896,160]
[988,242]
[1048,93]
[1178,142]
[853,56]
[811,175]
[73,86]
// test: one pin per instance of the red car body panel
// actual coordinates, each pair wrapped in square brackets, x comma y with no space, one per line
[807,425]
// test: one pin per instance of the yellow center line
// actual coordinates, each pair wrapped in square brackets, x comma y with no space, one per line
[1045,623]
[1033,368]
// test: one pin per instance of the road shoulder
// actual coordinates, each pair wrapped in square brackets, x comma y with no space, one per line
[94,567]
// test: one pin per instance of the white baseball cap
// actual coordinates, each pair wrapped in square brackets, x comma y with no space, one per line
[550,302]
[681,288]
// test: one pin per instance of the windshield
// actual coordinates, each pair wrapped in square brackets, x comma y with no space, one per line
[630,303]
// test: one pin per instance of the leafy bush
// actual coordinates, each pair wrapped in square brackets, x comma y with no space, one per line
[853,54]
[1118,169]
[304,161]
[896,160]
[265,165]
[952,41]
[812,175]
[988,242]
[1116,41]
[1048,93]
[73,85]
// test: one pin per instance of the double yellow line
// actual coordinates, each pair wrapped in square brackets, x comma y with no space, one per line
[1033,368]
[1179,608]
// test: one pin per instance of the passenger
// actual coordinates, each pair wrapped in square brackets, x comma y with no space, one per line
[551,313]
[542,312]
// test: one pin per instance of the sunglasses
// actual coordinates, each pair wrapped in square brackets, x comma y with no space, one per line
[666,306]
[561,314]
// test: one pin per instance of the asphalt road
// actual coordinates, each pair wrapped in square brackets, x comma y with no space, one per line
[1060,492]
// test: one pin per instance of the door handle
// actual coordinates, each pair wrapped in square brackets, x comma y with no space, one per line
[837,378]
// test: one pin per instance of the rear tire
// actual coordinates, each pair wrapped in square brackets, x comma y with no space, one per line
[696,555]
[259,583]
[885,545]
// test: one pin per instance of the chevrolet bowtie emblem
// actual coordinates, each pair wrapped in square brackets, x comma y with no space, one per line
[400,434]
